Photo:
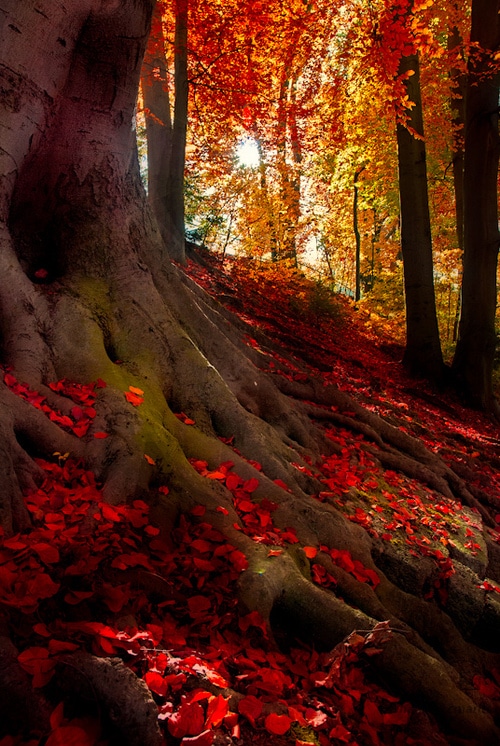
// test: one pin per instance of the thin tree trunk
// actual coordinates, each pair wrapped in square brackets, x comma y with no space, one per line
[271,220]
[167,138]
[474,356]
[155,91]
[175,189]
[458,82]
[423,350]
[357,234]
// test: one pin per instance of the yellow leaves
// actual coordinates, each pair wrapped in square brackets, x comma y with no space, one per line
[61,457]
[135,390]
[420,5]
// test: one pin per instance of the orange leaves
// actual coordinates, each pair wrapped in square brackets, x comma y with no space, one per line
[134,396]
[184,418]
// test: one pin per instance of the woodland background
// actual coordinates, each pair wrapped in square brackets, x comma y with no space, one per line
[312,94]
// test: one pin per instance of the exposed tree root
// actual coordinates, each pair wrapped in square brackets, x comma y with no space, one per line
[111,688]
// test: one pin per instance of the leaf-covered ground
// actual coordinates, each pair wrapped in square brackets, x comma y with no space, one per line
[89,576]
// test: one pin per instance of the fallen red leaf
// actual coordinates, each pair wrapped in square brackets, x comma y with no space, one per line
[133,398]
[310,552]
[156,682]
[218,707]
[47,553]
[37,662]
[251,485]
[251,708]
[188,720]
[277,724]
[198,605]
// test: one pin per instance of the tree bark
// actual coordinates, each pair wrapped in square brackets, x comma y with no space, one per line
[458,94]
[175,192]
[357,235]
[155,91]
[423,349]
[474,355]
[166,134]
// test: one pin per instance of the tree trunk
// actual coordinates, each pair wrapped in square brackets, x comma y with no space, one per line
[175,199]
[423,350]
[155,91]
[166,139]
[357,235]
[458,94]
[87,295]
[474,355]
[267,198]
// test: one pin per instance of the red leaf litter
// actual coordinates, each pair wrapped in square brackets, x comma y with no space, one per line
[73,579]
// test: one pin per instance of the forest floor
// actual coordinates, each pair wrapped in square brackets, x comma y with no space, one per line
[225,678]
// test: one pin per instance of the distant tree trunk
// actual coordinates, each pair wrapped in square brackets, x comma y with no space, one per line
[423,350]
[155,92]
[264,186]
[474,355]
[167,139]
[357,235]
[178,156]
[458,82]
[289,174]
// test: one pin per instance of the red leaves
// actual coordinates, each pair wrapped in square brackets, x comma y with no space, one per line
[188,720]
[251,708]
[37,662]
[134,396]
[487,686]
[255,516]
[218,708]
[342,558]
[487,586]
[184,418]
[47,553]
[82,413]
[355,567]
[78,732]
[198,606]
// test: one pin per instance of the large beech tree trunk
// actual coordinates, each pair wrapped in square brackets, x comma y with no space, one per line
[86,293]
[474,356]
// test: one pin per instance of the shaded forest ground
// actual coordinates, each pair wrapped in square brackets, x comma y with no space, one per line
[94,577]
